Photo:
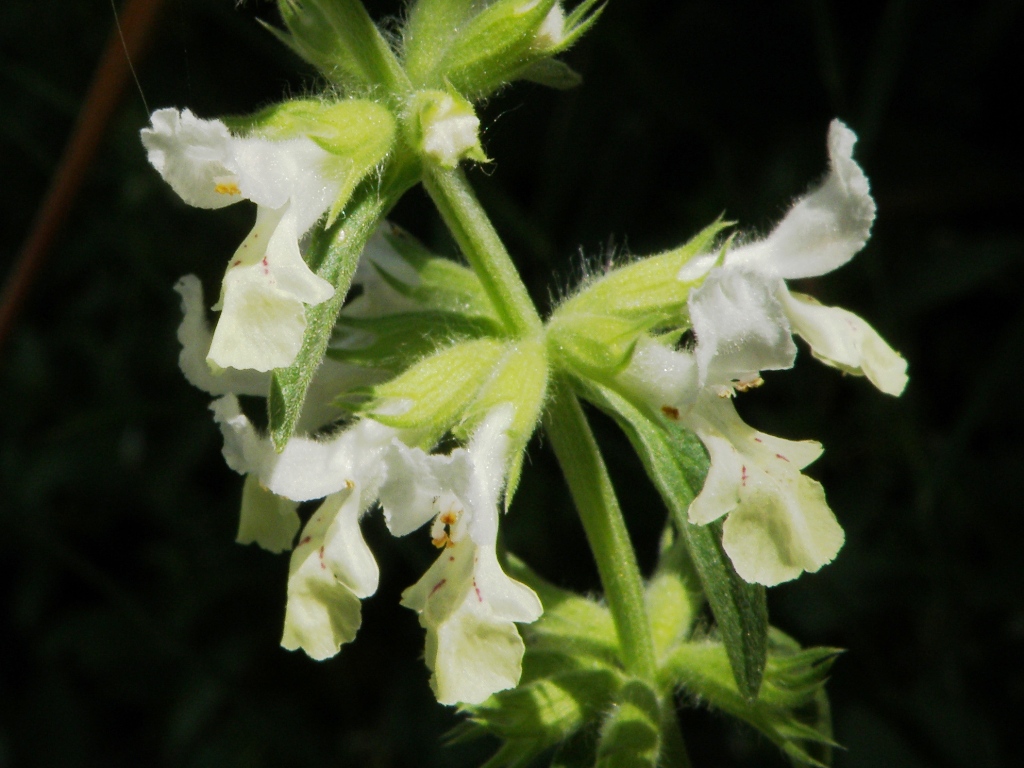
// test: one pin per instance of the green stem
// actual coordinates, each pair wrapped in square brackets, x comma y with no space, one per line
[592,491]
[465,218]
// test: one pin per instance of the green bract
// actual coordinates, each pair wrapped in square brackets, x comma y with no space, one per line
[339,38]
[479,47]
[433,393]
[594,331]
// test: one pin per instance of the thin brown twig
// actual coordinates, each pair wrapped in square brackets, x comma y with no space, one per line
[124,45]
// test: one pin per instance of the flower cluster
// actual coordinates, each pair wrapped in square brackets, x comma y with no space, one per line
[465,601]
[418,392]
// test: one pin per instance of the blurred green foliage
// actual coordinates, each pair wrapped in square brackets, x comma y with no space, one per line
[137,633]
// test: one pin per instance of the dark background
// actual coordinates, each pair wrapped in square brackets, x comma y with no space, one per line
[135,632]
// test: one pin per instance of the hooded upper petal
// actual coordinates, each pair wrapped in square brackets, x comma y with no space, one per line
[195,156]
[845,341]
[740,326]
[825,228]
[195,338]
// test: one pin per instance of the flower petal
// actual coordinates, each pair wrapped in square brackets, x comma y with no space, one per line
[468,606]
[740,327]
[845,341]
[267,282]
[666,379]
[306,469]
[195,156]
[824,229]
[331,568]
[266,519]
[778,523]
[274,173]
[782,528]
[195,337]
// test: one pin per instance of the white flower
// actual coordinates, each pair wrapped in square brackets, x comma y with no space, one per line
[778,523]
[467,604]
[331,379]
[267,284]
[331,567]
[266,519]
[743,314]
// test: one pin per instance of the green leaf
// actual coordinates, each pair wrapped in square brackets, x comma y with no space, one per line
[334,254]
[673,597]
[443,284]
[578,751]
[677,463]
[788,712]
[631,735]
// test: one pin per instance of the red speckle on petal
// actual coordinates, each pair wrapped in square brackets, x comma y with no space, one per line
[477,590]
[758,440]
[451,558]
[437,586]
[323,567]
[266,267]
[236,262]
[780,456]
[743,475]
[305,540]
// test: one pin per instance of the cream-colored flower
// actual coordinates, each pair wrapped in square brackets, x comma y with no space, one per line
[267,284]
[467,604]
[744,315]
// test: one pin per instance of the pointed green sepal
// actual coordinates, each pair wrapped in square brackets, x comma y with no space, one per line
[631,734]
[433,394]
[339,38]
[495,45]
[520,378]
[646,291]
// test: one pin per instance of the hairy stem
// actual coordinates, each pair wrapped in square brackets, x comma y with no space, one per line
[592,491]
[465,218]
